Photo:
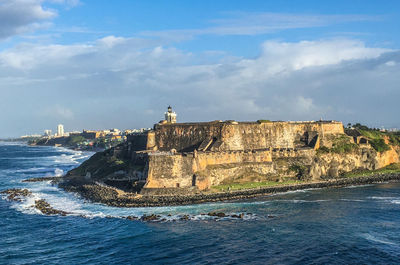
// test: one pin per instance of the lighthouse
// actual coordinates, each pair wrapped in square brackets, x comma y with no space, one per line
[170,116]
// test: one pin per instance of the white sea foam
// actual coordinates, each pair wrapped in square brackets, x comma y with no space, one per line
[352,200]
[58,172]
[377,239]
[74,205]
[382,198]
[358,186]
[301,201]
[392,200]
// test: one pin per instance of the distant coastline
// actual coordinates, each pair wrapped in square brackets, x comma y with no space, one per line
[32,142]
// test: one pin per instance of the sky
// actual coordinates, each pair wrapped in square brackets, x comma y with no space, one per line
[99,64]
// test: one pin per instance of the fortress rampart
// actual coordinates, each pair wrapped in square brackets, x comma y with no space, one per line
[182,155]
[224,136]
[204,169]
[185,158]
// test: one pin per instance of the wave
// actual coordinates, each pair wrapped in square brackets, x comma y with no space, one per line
[390,199]
[301,201]
[377,239]
[358,186]
[382,198]
[76,206]
[352,200]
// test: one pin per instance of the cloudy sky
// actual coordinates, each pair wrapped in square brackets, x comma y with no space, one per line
[94,64]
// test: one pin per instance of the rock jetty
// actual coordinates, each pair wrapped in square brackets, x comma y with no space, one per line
[53,179]
[110,196]
[46,208]
[16,194]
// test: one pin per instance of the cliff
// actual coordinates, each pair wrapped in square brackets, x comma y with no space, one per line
[189,158]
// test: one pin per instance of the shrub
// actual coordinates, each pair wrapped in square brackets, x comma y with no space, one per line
[340,145]
[76,139]
[263,121]
[361,127]
[300,170]
[342,148]
[394,139]
[323,149]
[379,145]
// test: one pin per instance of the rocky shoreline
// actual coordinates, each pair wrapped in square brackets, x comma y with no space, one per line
[19,195]
[40,179]
[113,197]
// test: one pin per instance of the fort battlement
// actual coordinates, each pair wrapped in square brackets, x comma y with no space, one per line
[180,154]
[197,156]
[229,136]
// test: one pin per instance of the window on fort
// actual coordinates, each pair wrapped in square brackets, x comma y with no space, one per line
[177,185]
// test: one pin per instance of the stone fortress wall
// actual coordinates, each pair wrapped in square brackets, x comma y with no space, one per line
[226,136]
[205,169]
[200,155]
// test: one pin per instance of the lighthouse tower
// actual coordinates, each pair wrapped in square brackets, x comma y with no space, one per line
[170,116]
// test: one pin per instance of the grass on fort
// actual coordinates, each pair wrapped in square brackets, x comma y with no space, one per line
[253,185]
[390,169]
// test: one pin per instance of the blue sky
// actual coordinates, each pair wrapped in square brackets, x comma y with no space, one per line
[103,64]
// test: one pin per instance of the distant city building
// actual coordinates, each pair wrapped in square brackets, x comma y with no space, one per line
[31,136]
[91,134]
[60,130]
[47,133]
[170,116]
[137,131]
[115,132]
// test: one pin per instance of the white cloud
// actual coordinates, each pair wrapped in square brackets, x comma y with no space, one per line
[123,82]
[279,58]
[24,16]
[18,16]
[242,23]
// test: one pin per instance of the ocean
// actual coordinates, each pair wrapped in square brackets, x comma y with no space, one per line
[352,225]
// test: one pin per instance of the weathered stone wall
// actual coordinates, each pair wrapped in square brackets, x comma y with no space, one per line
[179,170]
[185,137]
[138,142]
[242,136]
[205,169]
[275,134]
[332,165]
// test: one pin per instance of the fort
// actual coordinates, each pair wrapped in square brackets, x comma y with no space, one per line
[186,158]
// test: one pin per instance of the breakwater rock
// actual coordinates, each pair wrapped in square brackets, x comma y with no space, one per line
[46,208]
[16,194]
[53,179]
[111,197]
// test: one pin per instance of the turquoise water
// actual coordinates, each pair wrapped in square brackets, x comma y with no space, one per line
[354,225]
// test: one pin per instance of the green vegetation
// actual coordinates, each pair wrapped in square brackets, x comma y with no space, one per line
[263,121]
[377,138]
[74,140]
[101,164]
[392,168]
[379,145]
[253,185]
[341,145]
[394,138]
[300,170]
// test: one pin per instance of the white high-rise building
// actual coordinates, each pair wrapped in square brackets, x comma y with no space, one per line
[47,133]
[170,116]
[60,130]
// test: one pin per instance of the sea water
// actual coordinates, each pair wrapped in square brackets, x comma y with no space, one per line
[353,225]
